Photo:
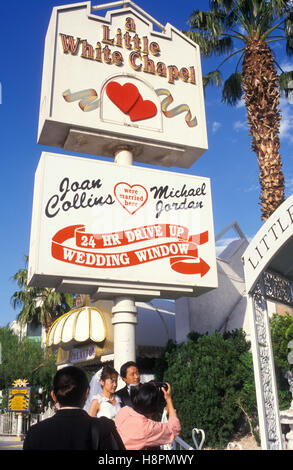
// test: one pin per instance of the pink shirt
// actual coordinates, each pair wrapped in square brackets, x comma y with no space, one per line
[138,432]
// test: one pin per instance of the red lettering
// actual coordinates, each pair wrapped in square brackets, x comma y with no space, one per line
[68,44]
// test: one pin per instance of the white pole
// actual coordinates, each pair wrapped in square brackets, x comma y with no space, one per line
[124,310]
[124,323]
[124,156]
[19,435]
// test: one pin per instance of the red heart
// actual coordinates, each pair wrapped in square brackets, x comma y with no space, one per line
[123,96]
[142,110]
[130,197]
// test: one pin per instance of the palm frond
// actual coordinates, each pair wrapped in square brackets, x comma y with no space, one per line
[227,11]
[39,304]
[21,278]
[210,46]
[68,300]
[289,46]
[210,22]
[219,4]
[232,89]
[289,24]
[17,299]
[212,78]
[230,20]
[289,33]
[286,83]
[223,46]
[28,314]
[281,7]
[205,44]
[246,13]
[265,20]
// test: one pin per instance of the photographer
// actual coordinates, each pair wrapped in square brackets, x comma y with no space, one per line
[135,425]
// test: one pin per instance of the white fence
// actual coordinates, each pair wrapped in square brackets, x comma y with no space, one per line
[179,443]
[9,422]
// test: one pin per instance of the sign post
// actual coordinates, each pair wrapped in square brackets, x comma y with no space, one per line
[124,310]
[19,402]
[19,396]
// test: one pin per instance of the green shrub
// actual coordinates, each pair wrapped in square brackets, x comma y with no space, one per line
[212,384]
[282,334]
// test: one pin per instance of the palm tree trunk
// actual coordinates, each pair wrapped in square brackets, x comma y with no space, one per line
[261,93]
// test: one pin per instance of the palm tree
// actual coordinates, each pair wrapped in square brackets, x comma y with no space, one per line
[39,304]
[254,24]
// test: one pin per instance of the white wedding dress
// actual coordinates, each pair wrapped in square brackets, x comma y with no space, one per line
[106,407]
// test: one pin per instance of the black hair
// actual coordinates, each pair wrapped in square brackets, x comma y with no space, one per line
[147,399]
[70,385]
[124,367]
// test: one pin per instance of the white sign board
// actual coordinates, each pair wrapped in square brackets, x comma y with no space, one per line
[115,80]
[100,228]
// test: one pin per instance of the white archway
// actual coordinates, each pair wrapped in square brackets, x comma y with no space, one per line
[268,269]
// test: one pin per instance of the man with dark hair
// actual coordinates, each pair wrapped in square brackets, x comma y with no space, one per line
[71,428]
[130,375]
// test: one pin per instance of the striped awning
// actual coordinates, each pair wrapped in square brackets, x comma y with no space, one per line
[81,325]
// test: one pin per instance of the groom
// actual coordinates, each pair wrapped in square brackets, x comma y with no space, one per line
[130,375]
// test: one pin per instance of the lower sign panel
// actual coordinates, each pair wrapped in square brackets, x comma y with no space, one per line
[107,229]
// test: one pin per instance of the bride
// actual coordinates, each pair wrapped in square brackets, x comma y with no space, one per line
[102,400]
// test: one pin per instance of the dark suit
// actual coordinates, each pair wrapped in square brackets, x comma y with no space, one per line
[70,429]
[125,397]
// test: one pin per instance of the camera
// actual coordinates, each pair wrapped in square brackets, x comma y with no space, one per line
[161,399]
[159,385]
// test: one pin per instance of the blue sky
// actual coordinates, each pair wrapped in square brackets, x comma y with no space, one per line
[229,161]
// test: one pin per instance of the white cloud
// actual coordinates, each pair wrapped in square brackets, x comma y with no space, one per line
[253,187]
[286,124]
[240,125]
[216,126]
[242,30]
[240,103]
[286,66]
[223,243]
[288,186]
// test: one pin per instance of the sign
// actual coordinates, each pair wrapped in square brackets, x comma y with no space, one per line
[115,80]
[99,227]
[18,399]
[272,236]
[84,354]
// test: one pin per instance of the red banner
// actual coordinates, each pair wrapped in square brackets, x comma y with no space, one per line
[182,251]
